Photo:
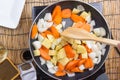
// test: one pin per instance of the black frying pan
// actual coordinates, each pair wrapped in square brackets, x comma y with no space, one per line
[100,22]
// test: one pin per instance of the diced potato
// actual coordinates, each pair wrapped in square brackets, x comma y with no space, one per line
[58,47]
[76,55]
[81,49]
[50,37]
[75,11]
[74,46]
[61,54]
[64,61]
[86,16]
[46,43]
[40,38]
[58,27]
[52,52]
[77,41]
[63,42]
[36,52]
[84,55]
[54,60]
[56,41]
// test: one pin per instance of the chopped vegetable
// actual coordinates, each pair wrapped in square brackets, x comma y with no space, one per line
[48,17]
[66,13]
[54,32]
[76,69]
[75,11]
[46,43]
[89,63]
[34,31]
[69,51]
[77,18]
[36,52]
[60,73]
[37,44]
[64,61]
[44,53]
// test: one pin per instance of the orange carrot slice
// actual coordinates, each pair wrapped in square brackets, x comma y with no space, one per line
[76,69]
[86,27]
[57,10]
[71,65]
[78,25]
[60,73]
[34,31]
[66,13]
[82,61]
[54,32]
[69,51]
[89,63]
[44,53]
[89,50]
[77,18]
[56,15]
[57,19]
[60,66]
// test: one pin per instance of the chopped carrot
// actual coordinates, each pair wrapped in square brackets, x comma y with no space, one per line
[77,18]
[43,34]
[86,27]
[89,50]
[57,19]
[60,73]
[71,65]
[69,51]
[89,63]
[82,61]
[60,66]
[57,10]
[34,31]
[44,53]
[54,32]
[45,49]
[76,69]
[56,15]
[78,25]
[66,13]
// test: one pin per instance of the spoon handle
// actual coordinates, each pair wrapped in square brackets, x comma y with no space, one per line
[108,41]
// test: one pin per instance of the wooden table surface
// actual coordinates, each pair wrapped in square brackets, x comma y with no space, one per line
[17,40]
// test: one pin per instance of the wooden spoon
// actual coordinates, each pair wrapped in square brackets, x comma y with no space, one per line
[77,33]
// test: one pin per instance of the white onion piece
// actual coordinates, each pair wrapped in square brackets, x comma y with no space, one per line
[94,48]
[40,37]
[48,17]
[103,32]
[80,7]
[48,24]
[95,60]
[71,74]
[55,68]
[91,68]
[92,23]
[99,45]
[63,24]
[43,61]
[92,55]
[37,44]
[49,64]
[81,67]
[99,59]
[88,18]
[103,51]
[103,46]
[99,31]
[36,36]
[98,53]
[52,70]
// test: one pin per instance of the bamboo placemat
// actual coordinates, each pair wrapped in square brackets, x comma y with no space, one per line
[17,40]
